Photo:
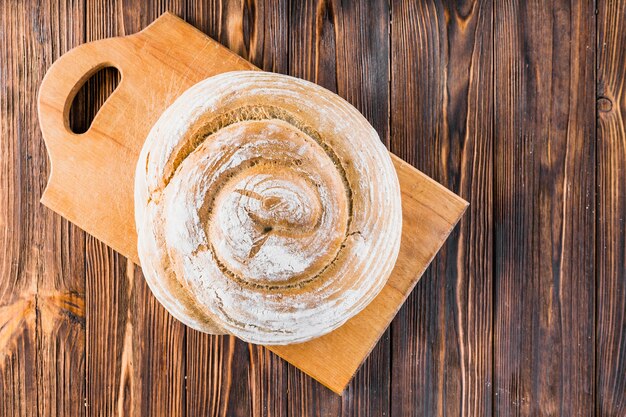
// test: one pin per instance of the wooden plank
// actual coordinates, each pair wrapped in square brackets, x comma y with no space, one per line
[158,355]
[109,302]
[18,366]
[331,46]
[109,291]
[255,30]
[308,398]
[162,354]
[245,379]
[544,212]
[441,106]
[42,331]
[222,379]
[60,265]
[611,210]
[110,335]
[368,392]
[135,349]
[268,374]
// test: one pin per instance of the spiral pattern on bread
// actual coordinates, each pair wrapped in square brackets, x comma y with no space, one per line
[266,207]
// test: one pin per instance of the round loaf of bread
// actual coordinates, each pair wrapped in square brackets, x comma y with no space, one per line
[266,207]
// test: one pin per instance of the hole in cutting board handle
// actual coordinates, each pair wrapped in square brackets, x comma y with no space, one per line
[90,98]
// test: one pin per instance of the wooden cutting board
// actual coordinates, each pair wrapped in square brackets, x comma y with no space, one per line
[91,180]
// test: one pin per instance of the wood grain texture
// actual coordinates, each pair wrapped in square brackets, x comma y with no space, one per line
[544,212]
[109,290]
[330,46]
[160,341]
[441,116]
[611,210]
[42,331]
[549,289]
[18,383]
[135,349]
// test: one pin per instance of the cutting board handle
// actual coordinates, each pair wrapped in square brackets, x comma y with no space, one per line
[65,78]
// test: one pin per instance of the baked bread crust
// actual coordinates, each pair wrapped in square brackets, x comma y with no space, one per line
[266,207]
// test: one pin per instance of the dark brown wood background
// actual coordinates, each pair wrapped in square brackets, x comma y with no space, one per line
[519,107]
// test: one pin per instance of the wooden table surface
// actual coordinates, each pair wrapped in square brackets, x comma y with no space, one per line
[519,107]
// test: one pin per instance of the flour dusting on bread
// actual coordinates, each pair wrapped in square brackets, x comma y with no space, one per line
[266,207]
